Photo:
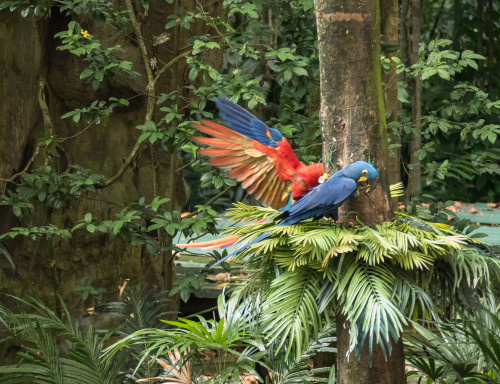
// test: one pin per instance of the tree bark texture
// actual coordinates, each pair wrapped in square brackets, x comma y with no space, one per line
[352,117]
[415,176]
[352,112]
[29,57]
[365,371]
[389,19]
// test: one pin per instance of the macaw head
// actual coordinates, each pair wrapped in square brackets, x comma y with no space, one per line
[360,171]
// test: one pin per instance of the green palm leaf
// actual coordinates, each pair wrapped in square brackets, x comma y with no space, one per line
[367,301]
[290,313]
[42,362]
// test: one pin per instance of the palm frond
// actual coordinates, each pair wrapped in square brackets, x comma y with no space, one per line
[41,360]
[412,300]
[298,370]
[177,369]
[360,271]
[397,189]
[367,302]
[290,314]
[141,307]
[449,354]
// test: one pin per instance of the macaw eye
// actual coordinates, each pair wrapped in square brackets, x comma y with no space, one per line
[364,172]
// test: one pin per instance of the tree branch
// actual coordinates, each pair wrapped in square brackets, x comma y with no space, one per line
[150,91]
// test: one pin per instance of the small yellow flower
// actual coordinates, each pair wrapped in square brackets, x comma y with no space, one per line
[84,33]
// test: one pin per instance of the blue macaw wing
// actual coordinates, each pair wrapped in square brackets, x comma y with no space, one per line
[242,121]
[323,199]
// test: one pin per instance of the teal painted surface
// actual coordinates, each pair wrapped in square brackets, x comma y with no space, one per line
[483,213]
[487,217]
[492,235]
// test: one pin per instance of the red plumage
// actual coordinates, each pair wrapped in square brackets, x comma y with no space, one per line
[270,173]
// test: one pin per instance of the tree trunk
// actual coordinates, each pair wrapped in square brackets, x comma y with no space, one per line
[352,117]
[490,33]
[362,370]
[352,112]
[479,49]
[389,20]
[415,177]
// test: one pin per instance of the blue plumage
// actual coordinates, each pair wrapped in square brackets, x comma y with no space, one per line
[242,121]
[322,200]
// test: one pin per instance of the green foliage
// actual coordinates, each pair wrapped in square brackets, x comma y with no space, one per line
[87,291]
[141,307]
[466,351]
[237,342]
[189,284]
[444,63]
[99,9]
[298,371]
[104,63]
[378,277]
[459,124]
[144,224]
[48,231]
[232,338]
[40,359]
[96,111]
[49,189]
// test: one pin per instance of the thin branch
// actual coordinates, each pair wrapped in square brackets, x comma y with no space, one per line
[76,134]
[169,64]
[47,120]
[150,90]
[186,165]
[35,154]
[436,20]
[209,202]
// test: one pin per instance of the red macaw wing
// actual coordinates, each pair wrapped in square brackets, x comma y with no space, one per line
[262,170]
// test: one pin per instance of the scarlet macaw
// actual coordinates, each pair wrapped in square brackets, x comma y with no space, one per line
[322,200]
[256,155]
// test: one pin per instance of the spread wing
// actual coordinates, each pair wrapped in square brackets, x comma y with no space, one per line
[260,168]
[240,120]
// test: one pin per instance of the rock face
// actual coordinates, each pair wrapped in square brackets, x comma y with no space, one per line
[29,58]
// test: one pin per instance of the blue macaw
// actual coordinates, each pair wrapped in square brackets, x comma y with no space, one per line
[322,200]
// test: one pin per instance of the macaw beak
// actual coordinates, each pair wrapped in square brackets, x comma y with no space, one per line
[372,184]
[368,185]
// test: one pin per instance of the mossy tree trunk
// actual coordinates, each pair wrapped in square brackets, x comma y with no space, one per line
[352,117]
[413,39]
[389,23]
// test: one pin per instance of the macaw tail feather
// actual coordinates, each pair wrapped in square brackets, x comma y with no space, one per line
[254,241]
[216,243]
